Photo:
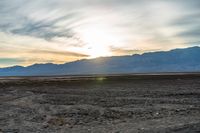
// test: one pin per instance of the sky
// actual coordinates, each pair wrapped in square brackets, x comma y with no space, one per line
[59,31]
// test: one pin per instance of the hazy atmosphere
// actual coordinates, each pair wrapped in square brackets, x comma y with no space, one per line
[59,31]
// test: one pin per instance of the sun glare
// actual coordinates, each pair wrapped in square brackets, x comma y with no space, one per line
[98,40]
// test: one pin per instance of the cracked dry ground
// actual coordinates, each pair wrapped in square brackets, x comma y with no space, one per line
[122,104]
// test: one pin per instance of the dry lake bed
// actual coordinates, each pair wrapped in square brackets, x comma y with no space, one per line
[165,103]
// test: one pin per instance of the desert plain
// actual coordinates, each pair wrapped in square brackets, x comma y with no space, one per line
[137,103]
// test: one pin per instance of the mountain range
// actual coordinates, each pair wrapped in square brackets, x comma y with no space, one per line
[177,60]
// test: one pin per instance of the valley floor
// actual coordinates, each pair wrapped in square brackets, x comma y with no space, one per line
[100,104]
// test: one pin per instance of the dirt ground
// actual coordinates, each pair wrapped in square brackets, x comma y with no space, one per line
[101,104]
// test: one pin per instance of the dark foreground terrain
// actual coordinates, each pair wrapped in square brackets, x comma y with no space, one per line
[101,104]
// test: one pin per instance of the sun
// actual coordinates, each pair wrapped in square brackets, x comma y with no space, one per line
[98,40]
[98,51]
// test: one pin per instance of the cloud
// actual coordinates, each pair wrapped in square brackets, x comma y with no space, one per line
[10,61]
[48,28]
[189,25]
[122,51]
[49,19]
[63,53]
[191,33]
[34,50]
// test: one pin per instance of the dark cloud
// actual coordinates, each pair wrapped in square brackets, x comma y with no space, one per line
[187,20]
[189,4]
[42,29]
[15,19]
[63,53]
[191,33]
[189,25]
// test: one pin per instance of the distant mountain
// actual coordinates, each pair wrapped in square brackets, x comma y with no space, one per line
[177,60]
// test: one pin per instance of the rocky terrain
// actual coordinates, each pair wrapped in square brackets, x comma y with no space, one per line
[101,104]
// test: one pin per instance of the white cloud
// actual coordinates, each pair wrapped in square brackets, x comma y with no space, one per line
[57,25]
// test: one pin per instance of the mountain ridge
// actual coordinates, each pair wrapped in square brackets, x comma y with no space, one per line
[176,60]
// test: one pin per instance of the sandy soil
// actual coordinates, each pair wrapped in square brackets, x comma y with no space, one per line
[102,104]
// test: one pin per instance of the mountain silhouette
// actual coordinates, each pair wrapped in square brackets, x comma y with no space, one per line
[177,60]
